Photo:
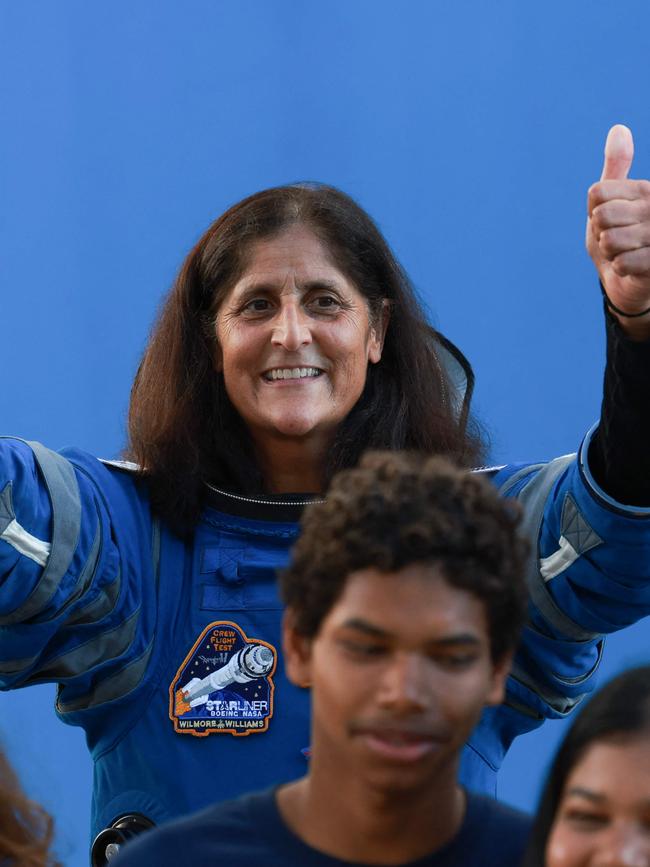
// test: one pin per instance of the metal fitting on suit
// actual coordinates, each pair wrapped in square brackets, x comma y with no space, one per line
[107,843]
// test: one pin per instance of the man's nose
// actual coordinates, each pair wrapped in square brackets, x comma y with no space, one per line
[404,684]
[624,845]
[291,327]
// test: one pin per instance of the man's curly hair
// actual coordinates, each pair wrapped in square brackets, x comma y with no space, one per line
[395,509]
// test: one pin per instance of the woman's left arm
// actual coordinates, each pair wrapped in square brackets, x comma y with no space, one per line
[589,516]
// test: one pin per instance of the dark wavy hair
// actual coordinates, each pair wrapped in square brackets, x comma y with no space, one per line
[183,429]
[619,712]
[26,830]
[396,509]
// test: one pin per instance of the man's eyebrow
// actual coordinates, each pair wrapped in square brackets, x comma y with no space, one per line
[368,628]
[459,639]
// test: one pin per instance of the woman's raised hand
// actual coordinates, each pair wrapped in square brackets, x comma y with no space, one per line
[618,233]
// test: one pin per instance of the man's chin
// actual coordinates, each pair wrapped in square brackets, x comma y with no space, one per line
[394,775]
[393,784]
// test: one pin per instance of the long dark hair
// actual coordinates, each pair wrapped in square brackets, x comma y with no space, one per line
[183,429]
[619,711]
[26,830]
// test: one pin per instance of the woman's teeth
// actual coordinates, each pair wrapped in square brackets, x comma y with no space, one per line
[292,373]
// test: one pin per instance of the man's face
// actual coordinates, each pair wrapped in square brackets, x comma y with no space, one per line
[400,671]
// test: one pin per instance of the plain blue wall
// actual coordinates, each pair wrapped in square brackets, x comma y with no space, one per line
[470,130]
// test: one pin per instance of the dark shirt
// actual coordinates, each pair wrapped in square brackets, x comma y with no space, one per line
[250,831]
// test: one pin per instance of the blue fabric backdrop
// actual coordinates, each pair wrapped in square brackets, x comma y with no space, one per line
[470,130]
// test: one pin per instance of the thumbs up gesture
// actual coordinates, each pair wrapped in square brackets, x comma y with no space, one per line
[618,233]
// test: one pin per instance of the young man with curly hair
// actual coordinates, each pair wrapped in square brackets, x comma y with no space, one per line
[405,598]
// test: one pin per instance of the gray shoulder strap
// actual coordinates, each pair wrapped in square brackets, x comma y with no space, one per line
[61,483]
[533,497]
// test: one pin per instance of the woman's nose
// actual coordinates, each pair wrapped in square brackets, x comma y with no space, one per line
[291,328]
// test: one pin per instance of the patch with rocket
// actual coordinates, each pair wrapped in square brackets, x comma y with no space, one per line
[224,685]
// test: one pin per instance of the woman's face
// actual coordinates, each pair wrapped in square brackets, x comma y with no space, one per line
[295,341]
[603,819]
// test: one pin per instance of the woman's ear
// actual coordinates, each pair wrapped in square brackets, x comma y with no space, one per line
[378,333]
[212,335]
[217,354]
[297,652]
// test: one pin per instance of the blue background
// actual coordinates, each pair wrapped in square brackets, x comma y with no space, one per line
[471,132]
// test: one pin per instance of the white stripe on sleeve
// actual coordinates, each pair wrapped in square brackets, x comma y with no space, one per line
[25,543]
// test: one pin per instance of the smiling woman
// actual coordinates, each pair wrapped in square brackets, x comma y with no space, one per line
[290,343]
[595,808]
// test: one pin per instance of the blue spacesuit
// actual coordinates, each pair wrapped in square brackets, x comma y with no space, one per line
[167,651]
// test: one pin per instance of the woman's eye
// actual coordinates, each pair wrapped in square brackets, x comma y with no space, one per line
[585,818]
[256,305]
[325,302]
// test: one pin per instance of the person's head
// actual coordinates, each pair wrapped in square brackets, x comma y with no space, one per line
[595,806]
[405,597]
[290,319]
[26,830]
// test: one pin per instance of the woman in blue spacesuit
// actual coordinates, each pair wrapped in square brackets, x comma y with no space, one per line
[290,343]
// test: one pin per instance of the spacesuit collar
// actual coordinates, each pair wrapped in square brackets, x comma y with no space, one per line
[265,507]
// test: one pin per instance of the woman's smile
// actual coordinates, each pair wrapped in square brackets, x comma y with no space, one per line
[292,375]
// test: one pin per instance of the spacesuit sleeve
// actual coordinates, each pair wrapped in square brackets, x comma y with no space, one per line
[73,601]
[588,575]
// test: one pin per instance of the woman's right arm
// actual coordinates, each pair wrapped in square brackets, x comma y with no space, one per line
[77,601]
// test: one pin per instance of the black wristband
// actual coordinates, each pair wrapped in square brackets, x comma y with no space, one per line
[620,312]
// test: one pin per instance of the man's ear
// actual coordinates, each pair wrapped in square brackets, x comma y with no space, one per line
[378,333]
[500,671]
[297,652]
